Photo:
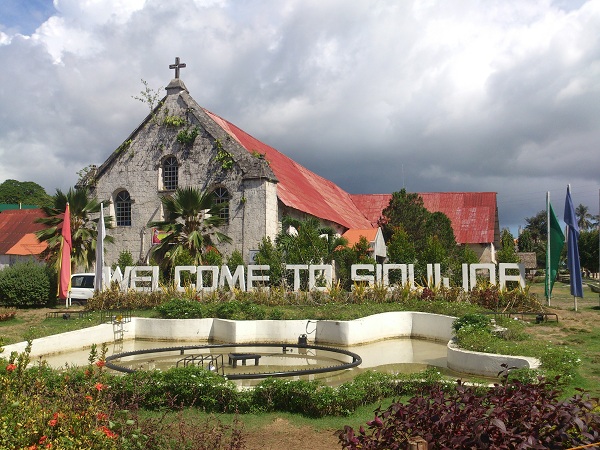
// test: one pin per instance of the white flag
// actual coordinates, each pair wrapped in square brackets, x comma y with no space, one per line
[100,250]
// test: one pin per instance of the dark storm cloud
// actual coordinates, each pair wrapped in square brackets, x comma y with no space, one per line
[376,96]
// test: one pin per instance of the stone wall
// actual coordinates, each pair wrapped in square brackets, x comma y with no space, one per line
[136,166]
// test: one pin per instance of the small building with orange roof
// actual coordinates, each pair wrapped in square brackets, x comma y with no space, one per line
[374,237]
[17,236]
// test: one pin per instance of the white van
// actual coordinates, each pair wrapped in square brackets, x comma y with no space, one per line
[82,287]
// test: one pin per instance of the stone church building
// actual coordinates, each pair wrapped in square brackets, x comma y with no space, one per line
[181,144]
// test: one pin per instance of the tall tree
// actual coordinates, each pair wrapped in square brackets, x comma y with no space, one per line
[583,217]
[84,231]
[25,192]
[588,250]
[439,225]
[192,225]
[525,242]
[408,211]
[537,226]
[507,253]
[430,234]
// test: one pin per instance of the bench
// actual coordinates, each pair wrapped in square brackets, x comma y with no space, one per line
[243,357]
[66,314]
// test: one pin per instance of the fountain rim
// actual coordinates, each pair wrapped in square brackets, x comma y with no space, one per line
[356,359]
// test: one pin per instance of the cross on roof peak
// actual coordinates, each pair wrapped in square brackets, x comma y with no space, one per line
[177,66]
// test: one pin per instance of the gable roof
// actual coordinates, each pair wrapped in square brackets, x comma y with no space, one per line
[14,226]
[473,214]
[353,235]
[28,245]
[298,187]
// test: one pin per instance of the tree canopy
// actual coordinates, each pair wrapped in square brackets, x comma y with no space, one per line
[417,236]
[24,192]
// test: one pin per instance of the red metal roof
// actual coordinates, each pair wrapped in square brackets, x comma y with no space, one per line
[15,224]
[298,187]
[473,214]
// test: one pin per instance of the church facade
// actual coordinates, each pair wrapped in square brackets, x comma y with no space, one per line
[181,144]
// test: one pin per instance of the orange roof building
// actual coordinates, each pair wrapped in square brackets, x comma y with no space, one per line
[17,238]
[374,237]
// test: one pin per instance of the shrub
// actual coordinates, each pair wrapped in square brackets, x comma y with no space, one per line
[114,298]
[180,308]
[125,259]
[509,415]
[472,322]
[25,284]
[236,259]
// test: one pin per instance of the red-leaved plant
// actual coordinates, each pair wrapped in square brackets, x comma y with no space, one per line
[510,415]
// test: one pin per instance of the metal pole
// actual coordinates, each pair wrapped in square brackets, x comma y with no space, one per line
[547,277]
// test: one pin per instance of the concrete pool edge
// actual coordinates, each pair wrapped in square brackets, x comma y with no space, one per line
[325,332]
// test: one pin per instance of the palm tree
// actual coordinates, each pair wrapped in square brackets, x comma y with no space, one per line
[583,217]
[191,226]
[84,231]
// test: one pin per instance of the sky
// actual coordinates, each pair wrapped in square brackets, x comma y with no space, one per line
[375,95]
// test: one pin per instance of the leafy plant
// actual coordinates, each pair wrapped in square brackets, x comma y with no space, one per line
[472,322]
[174,121]
[180,308]
[151,98]
[188,136]
[124,146]
[83,227]
[25,192]
[77,408]
[509,415]
[223,156]
[192,226]
[125,259]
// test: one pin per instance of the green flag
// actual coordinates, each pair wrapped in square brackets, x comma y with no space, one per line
[556,240]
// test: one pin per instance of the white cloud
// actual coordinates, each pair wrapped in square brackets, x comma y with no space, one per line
[428,94]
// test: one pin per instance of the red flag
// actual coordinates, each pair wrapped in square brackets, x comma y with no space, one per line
[64,277]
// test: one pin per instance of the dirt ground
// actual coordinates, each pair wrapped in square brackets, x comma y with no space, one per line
[282,435]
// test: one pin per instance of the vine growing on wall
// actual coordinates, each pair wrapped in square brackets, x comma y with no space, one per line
[188,136]
[174,121]
[223,156]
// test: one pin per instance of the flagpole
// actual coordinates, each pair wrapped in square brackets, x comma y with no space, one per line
[547,278]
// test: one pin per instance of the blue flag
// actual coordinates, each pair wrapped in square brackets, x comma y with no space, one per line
[572,247]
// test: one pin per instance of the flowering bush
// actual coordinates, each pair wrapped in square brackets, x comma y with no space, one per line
[76,409]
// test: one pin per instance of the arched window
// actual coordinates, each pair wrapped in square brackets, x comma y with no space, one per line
[221,195]
[123,209]
[170,173]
